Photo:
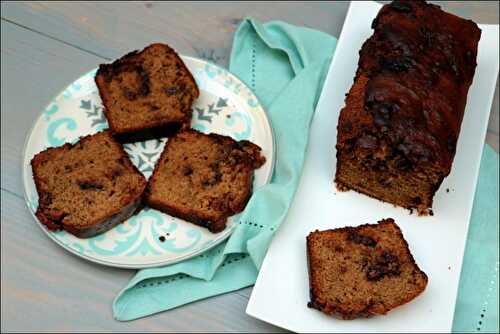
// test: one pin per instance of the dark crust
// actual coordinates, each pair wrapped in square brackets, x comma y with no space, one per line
[96,228]
[214,224]
[147,133]
[413,103]
[157,129]
[335,310]
[93,228]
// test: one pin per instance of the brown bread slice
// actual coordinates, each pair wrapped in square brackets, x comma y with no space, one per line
[203,178]
[86,188]
[362,271]
[146,94]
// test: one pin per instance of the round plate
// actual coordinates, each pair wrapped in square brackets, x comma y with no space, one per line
[225,106]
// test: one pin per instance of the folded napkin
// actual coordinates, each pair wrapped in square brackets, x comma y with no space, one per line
[285,67]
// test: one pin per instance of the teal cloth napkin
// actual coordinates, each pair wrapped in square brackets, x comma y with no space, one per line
[285,66]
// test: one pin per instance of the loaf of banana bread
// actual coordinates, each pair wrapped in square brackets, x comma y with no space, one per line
[86,188]
[398,131]
[146,94]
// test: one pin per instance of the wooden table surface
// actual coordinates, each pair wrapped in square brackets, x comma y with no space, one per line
[45,46]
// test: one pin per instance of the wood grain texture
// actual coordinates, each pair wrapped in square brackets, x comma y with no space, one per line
[44,47]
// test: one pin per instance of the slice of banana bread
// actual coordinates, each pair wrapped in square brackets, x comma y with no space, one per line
[146,94]
[203,178]
[86,188]
[362,271]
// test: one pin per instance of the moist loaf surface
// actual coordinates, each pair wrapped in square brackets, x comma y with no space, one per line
[146,94]
[203,178]
[397,134]
[361,271]
[86,188]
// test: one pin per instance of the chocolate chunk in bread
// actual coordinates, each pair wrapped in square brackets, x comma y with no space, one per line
[397,134]
[203,178]
[86,188]
[362,271]
[146,94]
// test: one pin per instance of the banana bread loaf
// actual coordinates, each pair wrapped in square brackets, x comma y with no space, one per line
[398,131]
[146,94]
[362,271]
[86,188]
[203,178]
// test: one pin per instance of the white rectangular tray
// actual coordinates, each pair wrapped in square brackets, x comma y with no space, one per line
[437,242]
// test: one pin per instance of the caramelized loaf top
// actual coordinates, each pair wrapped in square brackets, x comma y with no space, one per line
[411,86]
[146,89]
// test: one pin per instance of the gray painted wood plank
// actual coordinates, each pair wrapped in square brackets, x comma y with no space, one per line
[202,29]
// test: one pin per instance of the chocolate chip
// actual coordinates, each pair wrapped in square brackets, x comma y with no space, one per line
[187,170]
[347,127]
[386,258]
[368,142]
[454,68]
[162,238]
[361,239]
[144,88]
[428,37]
[115,173]
[401,64]
[451,144]
[400,6]
[386,264]
[384,182]
[130,95]
[469,57]
[382,114]
[86,185]
[144,84]
[171,90]
[375,273]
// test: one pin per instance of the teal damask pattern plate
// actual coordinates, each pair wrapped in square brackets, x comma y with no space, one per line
[151,238]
